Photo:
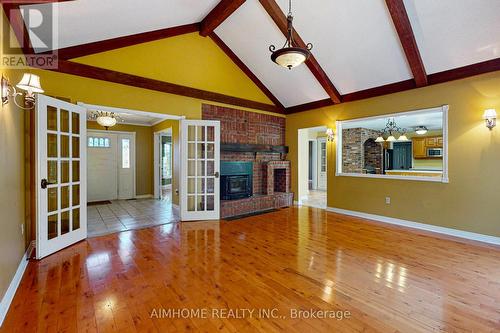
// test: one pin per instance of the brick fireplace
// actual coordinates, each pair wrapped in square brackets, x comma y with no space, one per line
[271,171]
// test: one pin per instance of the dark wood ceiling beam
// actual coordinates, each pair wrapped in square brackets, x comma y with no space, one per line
[119,42]
[407,39]
[13,14]
[245,69]
[97,73]
[484,67]
[218,15]
[280,20]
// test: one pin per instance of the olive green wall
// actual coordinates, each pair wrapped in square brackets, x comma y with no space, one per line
[469,202]
[143,154]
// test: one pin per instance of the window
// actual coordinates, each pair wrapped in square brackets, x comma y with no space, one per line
[323,156]
[408,145]
[93,142]
[125,153]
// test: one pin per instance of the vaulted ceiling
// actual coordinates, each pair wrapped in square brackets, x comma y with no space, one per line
[362,48]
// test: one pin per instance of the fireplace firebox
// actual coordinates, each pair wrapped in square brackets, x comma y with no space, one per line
[236,180]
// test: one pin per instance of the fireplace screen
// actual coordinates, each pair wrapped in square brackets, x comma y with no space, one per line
[236,187]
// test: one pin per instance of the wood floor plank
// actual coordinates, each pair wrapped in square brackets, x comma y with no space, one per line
[389,279]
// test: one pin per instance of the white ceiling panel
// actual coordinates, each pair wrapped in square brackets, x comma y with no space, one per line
[455,33]
[86,21]
[249,32]
[354,41]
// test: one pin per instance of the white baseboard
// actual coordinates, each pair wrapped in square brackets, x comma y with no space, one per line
[144,196]
[11,291]
[421,226]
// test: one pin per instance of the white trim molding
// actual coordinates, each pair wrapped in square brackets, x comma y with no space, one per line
[14,284]
[421,226]
[443,179]
[144,196]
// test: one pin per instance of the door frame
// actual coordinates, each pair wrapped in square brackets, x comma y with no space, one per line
[133,156]
[156,160]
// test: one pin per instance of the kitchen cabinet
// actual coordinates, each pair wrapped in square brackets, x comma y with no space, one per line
[419,149]
[421,144]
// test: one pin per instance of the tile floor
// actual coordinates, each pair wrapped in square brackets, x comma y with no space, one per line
[123,215]
[315,198]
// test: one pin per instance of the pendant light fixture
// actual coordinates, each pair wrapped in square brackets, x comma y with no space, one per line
[290,55]
[390,129]
[103,118]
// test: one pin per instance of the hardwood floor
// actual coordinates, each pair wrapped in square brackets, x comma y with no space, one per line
[383,278]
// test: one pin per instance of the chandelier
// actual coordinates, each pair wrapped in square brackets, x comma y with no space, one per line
[105,119]
[389,130]
[290,55]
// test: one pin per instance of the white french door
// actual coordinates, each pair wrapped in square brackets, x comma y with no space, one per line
[322,164]
[200,160]
[61,174]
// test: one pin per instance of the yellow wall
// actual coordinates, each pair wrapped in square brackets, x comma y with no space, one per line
[174,125]
[189,60]
[12,194]
[143,154]
[469,202]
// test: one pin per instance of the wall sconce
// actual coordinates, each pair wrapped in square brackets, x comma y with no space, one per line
[29,83]
[330,135]
[490,116]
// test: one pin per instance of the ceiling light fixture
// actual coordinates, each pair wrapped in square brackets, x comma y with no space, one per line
[421,130]
[390,128]
[29,83]
[290,55]
[103,118]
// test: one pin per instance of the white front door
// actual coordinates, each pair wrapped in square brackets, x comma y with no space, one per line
[61,175]
[126,166]
[200,160]
[102,166]
[322,164]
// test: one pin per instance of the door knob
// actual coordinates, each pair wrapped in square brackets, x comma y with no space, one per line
[216,174]
[45,183]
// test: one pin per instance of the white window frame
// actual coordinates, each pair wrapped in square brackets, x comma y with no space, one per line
[443,179]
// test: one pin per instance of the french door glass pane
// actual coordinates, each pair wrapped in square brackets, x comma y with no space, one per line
[75,126]
[64,197]
[64,146]
[76,218]
[210,185]
[76,171]
[191,150]
[191,168]
[64,172]
[201,185]
[191,133]
[64,121]
[65,222]
[200,203]
[52,199]
[190,206]
[76,195]
[191,183]
[200,171]
[51,145]
[210,202]
[51,118]
[52,172]
[52,226]
[200,151]
[76,147]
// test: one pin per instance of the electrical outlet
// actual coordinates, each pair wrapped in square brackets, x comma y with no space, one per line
[22,229]
[387,200]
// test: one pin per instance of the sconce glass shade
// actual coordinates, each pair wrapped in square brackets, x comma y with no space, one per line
[421,130]
[403,138]
[30,83]
[490,114]
[380,139]
[391,138]
[106,121]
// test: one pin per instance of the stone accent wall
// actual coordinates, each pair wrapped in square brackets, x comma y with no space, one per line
[353,152]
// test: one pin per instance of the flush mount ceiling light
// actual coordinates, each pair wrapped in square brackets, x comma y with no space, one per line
[29,83]
[103,118]
[389,130]
[290,55]
[421,130]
